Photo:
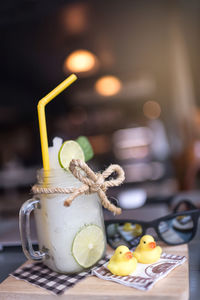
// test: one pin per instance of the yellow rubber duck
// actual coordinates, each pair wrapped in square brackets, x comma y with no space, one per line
[127,227]
[122,263]
[147,252]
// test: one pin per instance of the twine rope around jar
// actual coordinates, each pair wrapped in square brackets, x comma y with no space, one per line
[92,183]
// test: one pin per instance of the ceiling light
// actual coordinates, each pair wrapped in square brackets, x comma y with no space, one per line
[74,18]
[80,61]
[108,85]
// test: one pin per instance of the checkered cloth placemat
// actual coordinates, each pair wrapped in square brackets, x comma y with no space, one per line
[40,275]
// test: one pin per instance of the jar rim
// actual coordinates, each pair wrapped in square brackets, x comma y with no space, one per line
[57,177]
[51,172]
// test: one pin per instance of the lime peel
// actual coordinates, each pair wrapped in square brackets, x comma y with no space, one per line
[88,245]
[68,151]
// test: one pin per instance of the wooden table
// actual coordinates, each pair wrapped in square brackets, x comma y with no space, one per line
[174,286]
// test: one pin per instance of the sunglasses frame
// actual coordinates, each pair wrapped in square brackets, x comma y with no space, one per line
[194,213]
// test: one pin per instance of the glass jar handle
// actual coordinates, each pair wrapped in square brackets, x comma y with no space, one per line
[24,227]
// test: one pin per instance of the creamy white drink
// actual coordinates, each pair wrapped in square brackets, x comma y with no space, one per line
[58,225]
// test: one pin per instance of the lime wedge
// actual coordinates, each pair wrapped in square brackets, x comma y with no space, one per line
[88,245]
[68,151]
[86,147]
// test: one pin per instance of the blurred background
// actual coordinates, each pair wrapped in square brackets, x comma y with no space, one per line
[137,97]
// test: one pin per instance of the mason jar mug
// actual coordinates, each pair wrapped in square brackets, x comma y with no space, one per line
[62,231]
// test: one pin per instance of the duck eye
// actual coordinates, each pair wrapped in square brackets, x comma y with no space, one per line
[144,242]
[120,252]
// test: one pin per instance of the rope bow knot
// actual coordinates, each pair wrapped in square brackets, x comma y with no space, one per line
[95,182]
[92,183]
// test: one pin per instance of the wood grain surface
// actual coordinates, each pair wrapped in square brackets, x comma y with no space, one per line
[174,286]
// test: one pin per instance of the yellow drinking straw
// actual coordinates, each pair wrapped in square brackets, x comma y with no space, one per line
[42,119]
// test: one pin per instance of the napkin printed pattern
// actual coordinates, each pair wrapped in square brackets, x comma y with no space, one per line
[146,275]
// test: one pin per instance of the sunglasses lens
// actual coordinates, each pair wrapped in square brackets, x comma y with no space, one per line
[127,234]
[177,230]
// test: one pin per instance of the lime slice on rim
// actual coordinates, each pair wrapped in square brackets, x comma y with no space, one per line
[86,147]
[68,151]
[88,245]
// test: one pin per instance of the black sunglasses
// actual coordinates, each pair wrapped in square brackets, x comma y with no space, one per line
[174,229]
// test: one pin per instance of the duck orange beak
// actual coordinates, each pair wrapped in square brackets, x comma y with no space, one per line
[152,245]
[128,255]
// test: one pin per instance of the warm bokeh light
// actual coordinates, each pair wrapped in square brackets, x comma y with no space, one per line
[152,110]
[74,18]
[80,61]
[108,85]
